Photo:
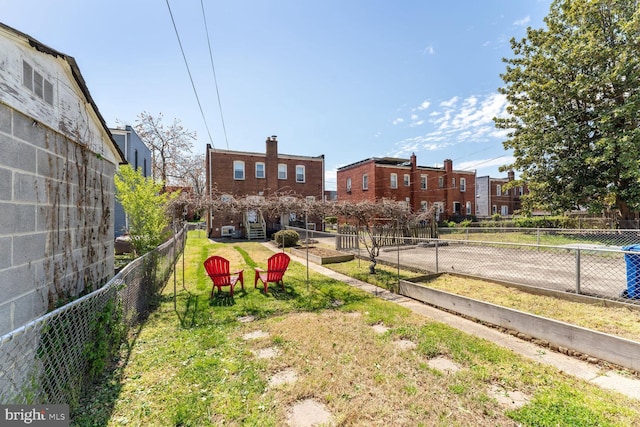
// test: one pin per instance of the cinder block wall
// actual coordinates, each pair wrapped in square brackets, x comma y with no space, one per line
[56,219]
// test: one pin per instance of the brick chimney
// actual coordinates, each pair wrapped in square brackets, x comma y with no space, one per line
[271,165]
[511,175]
[448,166]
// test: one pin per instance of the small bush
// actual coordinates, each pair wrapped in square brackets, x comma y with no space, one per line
[286,238]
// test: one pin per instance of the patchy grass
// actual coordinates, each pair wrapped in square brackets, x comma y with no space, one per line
[193,366]
[620,321]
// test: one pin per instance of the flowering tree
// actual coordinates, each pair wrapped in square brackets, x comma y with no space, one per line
[378,221]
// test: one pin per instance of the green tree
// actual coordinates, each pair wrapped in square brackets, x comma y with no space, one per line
[146,208]
[574,95]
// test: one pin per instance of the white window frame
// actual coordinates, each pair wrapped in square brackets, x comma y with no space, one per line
[468,208]
[238,166]
[498,190]
[393,180]
[494,209]
[264,172]
[463,185]
[310,198]
[424,179]
[348,185]
[282,171]
[407,180]
[424,205]
[365,181]
[453,182]
[441,182]
[301,172]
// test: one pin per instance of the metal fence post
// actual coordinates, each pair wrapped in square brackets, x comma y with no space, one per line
[578,271]
[437,256]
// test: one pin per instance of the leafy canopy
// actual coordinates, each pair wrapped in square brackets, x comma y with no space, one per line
[146,208]
[574,96]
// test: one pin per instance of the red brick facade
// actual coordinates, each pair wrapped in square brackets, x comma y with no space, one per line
[494,199]
[404,180]
[263,174]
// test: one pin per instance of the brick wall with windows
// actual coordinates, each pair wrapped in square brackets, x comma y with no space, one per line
[403,180]
[239,174]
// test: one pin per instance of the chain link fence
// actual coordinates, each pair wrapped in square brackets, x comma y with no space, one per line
[53,359]
[586,262]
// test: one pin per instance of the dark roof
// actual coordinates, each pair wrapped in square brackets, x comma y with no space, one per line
[75,70]
[380,161]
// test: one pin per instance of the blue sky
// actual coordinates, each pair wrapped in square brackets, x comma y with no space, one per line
[350,79]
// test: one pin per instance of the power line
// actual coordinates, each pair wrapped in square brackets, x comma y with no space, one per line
[215,80]
[189,72]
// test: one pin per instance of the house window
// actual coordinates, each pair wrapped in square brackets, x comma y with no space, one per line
[498,190]
[494,209]
[144,171]
[226,198]
[394,180]
[407,180]
[238,170]
[259,170]
[506,192]
[453,183]
[504,210]
[365,182]
[520,191]
[456,208]
[135,160]
[440,182]
[348,185]
[36,83]
[282,171]
[424,206]
[468,205]
[310,198]
[463,184]
[300,175]
[423,182]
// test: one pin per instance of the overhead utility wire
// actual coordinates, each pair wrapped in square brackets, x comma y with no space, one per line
[215,80]
[189,71]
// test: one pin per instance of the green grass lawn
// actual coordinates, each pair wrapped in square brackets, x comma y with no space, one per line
[193,366]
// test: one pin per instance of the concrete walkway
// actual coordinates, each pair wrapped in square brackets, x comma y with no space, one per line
[607,379]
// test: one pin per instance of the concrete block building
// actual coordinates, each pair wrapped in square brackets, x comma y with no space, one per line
[56,182]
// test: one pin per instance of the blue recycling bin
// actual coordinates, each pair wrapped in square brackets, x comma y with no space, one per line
[633,271]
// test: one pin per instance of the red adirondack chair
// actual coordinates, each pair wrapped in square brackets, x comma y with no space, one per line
[276,266]
[218,270]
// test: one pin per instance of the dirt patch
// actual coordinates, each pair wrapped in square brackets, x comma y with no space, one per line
[405,344]
[379,328]
[509,399]
[444,365]
[287,376]
[267,353]
[254,335]
[308,413]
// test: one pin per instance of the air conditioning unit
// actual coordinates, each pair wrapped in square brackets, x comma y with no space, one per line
[227,230]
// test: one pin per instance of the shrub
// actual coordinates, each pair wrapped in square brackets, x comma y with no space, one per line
[286,238]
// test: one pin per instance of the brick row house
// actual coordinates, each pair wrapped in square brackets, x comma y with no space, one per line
[451,191]
[238,174]
[493,198]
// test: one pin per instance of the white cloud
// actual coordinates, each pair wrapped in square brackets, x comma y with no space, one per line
[397,121]
[457,121]
[429,50]
[450,103]
[480,164]
[424,105]
[522,22]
